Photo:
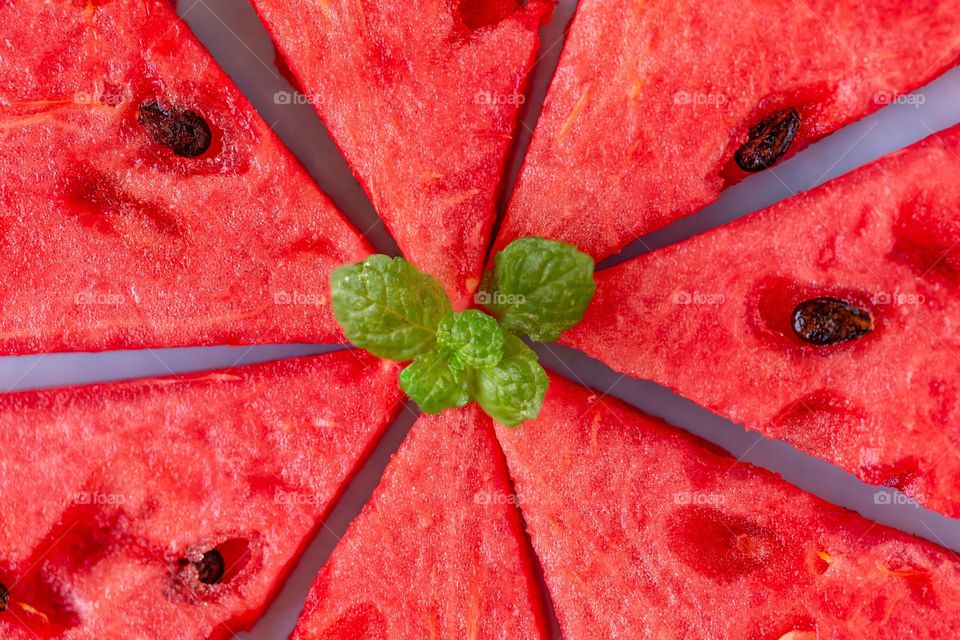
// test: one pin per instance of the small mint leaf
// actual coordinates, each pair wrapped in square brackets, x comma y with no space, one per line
[436,381]
[539,288]
[388,307]
[513,390]
[473,336]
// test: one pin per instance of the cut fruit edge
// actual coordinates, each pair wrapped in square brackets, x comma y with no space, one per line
[121,241]
[616,501]
[486,127]
[247,461]
[438,551]
[879,405]
[616,102]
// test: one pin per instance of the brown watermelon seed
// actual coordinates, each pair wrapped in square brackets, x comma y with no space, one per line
[211,567]
[769,140]
[826,321]
[4,597]
[182,130]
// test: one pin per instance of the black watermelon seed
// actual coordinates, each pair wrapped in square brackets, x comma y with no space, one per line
[211,567]
[769,140]
[183,131]
[4,598]
[826,321]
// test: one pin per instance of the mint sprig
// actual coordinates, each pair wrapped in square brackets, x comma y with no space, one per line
[537,288]
[387,307]
[513,390]
[473,336]
[436,380]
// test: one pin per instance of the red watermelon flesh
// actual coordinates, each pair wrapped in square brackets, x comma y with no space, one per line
[647,532]
[711,318]
[114,493]
[438,552]
[652,100]
[109,238]
[422,97]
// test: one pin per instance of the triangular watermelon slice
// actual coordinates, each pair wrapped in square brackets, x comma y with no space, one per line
[646,532]
[439,550]
[422,97]
[656,105]
[174,507]
[144,202]
[729,319]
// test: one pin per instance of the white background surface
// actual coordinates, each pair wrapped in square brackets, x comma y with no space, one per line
[233,34]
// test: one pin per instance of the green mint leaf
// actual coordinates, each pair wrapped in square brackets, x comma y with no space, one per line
[539,287]
[436,381]
[513,390]
[473,336]
[388,307]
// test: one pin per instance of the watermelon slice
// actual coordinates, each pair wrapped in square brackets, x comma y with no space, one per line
[646,532]
[715,318]
[423,97]
[174,507]
[657,105]
[144,202]
[439,550]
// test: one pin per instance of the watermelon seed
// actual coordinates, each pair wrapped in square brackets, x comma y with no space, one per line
[211,567]
[4,597]
[183,131]
[826,321]
[769,140]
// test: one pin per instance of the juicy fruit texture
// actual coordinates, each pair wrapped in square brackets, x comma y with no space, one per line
[422,96]
[174,507]
[438,552]
[144,202]
[657,106]
[646,532]
[882,403]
